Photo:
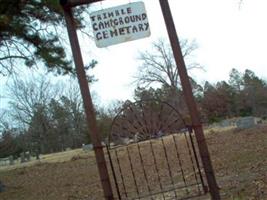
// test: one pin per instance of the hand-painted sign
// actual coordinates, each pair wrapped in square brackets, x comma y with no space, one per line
[120,24]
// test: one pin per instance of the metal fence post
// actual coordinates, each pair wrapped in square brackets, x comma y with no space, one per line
[187,90]
[88,105]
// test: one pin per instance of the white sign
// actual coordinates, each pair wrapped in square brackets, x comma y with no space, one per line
[120,24]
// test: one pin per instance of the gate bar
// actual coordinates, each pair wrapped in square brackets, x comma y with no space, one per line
[192,160]
[168,165]
[132,170]
[187,89]
[179,160]
[156,168]
[122,179]
[113,172]
[143,167]
[205,189]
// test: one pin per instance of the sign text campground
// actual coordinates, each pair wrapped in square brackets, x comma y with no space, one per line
[120,24]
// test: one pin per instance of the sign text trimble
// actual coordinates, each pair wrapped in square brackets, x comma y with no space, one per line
[120,24]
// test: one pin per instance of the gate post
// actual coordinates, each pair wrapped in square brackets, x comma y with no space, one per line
[190,101]
[88,105]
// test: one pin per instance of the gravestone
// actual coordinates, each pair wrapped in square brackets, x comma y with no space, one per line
[22,157]
[11,160]
[87,147]
[3,161]
[246,122]
[37,155]
[225,123]
[2,187]
[28,156]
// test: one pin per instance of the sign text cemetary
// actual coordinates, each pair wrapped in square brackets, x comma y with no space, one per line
[120,24]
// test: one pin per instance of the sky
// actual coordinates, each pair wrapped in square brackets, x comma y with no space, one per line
[228,36]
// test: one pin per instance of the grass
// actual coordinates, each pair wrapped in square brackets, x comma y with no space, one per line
[49,158]
[239,158]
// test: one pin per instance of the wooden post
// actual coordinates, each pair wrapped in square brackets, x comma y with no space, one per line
[88,105]
[187,90]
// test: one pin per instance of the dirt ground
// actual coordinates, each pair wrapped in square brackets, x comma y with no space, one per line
[239,158]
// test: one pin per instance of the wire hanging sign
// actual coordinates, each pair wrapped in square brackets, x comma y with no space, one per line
[120,24]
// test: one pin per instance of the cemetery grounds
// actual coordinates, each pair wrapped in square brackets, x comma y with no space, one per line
[239,158]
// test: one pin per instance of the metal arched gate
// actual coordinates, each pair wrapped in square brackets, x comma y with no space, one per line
[152,154]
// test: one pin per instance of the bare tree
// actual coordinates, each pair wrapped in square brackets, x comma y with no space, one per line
[240,3]
[72,102]
[158,65]
[24,95]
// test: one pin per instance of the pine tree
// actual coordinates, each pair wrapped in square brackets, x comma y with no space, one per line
[28,35]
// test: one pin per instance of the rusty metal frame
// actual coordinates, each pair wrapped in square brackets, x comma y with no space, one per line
[190,101]
[87,101]
[73,3]
[187,89]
